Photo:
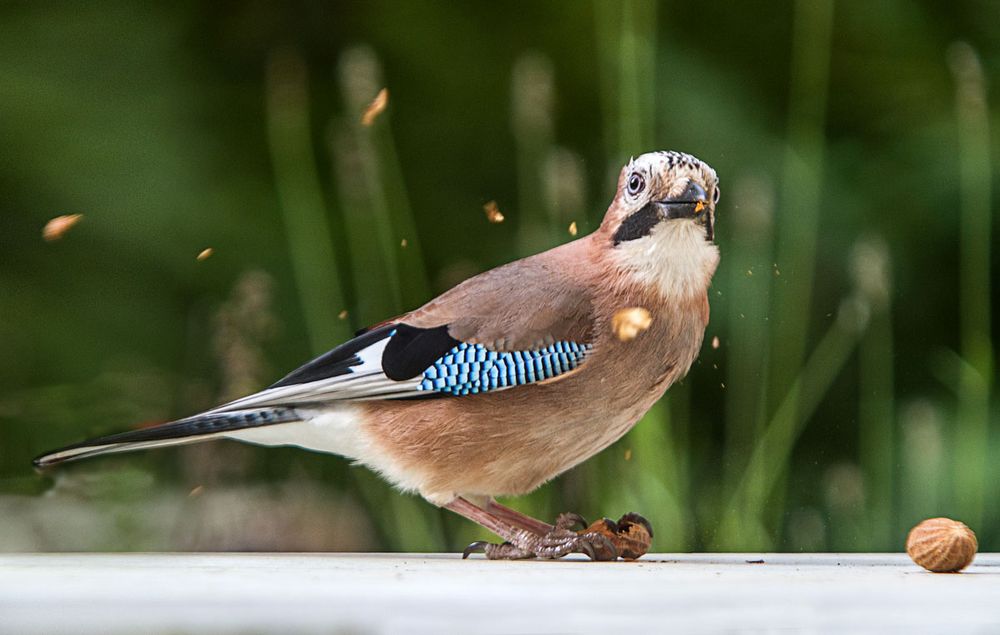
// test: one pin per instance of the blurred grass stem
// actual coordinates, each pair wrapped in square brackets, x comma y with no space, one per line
[975,174]
[800,194]
[297,182]
[772,454]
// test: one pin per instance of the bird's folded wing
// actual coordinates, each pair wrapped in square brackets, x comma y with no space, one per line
[490,333]
[520,306]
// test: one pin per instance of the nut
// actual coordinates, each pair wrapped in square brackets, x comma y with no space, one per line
[942,545]
[631,535]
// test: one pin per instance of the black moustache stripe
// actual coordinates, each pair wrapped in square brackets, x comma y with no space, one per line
[638,224]
[641,223]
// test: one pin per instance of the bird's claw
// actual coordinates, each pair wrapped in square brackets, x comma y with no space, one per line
[476,547]
[598,546]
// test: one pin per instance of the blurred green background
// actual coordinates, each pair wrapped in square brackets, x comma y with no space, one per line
[845,390]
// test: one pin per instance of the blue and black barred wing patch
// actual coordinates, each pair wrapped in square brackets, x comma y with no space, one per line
[468,369]
[400,361]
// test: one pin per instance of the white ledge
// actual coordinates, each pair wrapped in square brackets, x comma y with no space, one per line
[440,593]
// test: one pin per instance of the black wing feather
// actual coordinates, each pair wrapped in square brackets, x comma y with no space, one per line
[411,350]
[407,354]
[335,362]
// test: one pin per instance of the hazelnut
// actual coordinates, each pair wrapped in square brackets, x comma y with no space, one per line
[942,545]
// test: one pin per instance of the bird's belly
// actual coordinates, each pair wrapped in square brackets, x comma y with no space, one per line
[494,445]
[334,431]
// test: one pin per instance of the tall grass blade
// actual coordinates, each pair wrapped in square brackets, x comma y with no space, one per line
[976,380]
[742,525]
[801,190]
[877,438]
[297,181]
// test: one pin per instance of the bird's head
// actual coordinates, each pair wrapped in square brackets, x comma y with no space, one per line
[662,220]
[663,191]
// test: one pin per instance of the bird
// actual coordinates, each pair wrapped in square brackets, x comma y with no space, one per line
[508,379]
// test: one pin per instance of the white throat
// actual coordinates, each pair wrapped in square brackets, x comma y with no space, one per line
[675,259]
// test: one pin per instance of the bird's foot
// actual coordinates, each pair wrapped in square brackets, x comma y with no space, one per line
[556,543]
[524,537]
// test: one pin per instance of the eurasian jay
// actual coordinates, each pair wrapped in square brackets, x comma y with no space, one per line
[508,379]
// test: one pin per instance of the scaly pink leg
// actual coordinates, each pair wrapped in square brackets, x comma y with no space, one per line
[518,519]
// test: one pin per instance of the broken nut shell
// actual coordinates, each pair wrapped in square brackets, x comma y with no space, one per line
[631,535]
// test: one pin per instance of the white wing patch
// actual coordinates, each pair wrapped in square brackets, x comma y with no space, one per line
[366,380]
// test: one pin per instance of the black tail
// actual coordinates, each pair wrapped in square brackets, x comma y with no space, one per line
[188,430]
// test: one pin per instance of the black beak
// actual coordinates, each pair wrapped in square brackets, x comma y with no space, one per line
[691,203]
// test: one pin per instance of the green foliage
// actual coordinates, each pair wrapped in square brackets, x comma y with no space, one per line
[845,389]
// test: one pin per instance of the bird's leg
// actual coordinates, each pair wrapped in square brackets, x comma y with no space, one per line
[518,519]
[521,542]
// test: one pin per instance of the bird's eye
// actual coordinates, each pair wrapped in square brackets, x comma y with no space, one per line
[716,195]
[636,183]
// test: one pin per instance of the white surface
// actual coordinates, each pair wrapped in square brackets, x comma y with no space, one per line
[396,593]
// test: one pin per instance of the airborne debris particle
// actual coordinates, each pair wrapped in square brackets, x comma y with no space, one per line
[55,228]
[628,454]
[715,342]
[403,243]
[572,228]
[205,253]
[196,491]
[375,108]
[493,213]
[628,323]
[342,315]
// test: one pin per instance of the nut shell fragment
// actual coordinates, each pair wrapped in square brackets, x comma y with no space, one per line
[628,323]
[493,213]
[376,108]
[942,545]
[55,228]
